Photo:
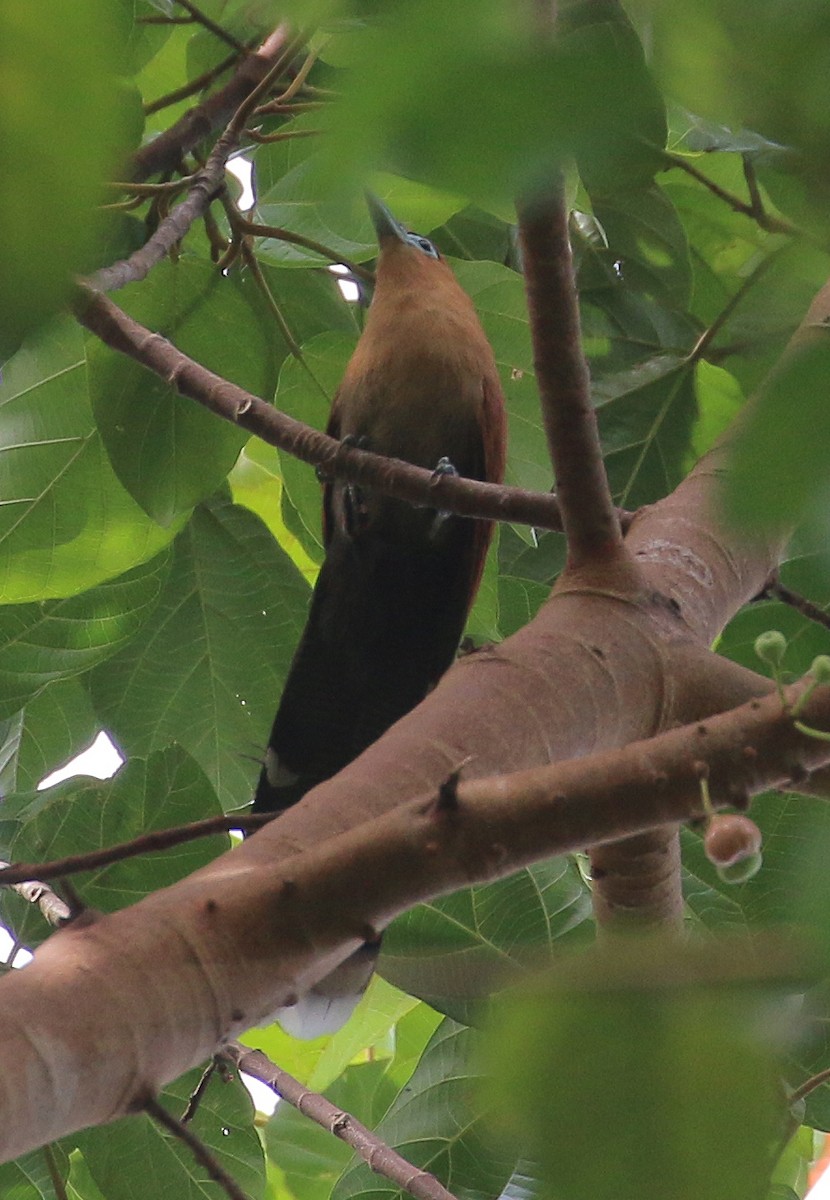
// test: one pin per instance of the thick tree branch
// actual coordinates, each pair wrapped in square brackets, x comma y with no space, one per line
[588,515]
[464,496]
[167,979]
[381,1158]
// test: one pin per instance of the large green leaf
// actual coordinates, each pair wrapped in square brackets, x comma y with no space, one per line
[162,791]
[168,451]
[371,1029]
[64,127]
[306,389]
[66,523]
[421,99]
[206,670]
[457,950]
[41,643]
[648,239]
[54,727]
[779,470]
[646,419]
[136,1158]
[766,74]
[623,1064]
[294,193]
[29,1178]
[436,1124]
[498,294]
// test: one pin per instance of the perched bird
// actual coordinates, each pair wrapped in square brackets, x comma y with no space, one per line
[397,581]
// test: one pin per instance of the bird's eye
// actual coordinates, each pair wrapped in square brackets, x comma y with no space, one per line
[423,244]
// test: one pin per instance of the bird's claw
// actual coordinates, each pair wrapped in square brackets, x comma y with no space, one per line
[355,512]
[442,468]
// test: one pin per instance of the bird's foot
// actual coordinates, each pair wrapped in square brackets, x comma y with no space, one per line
[442,467]
[355,509]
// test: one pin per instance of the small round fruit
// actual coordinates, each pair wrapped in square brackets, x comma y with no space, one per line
[731,839]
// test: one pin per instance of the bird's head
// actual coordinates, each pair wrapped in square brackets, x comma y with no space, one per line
[405,257]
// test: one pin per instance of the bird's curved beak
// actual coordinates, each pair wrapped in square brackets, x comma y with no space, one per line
[386,226]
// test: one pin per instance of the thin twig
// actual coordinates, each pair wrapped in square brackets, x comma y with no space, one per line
[276,311]
[153,189]
[205,1157]
[147,843]
[298,80]
[58,1182]
[282,135]
[190,89]
[290,109]
[195,1098]
[809,1085]
[467,497]
[755,211]
[382,1159]
[298,239]
[711,332]
[217,30]
[807,608]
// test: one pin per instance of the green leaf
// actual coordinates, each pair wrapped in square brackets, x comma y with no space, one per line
[634,1059]
[437,1126]
[646,420]
[377,1015]
[53,728]
[135,1156]
[458,950]
[66,523]
[294,193]
[719,399]
[28,1177]
[645,234]
[57,145]
[168,451]
[165,790]
[498,294]
[58,639]
[421,100]
[306,389]
[319,1061]
[724,245]
[779,466]
[207,669]
[766,73]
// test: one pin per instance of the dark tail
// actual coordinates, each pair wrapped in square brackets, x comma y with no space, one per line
[384,625]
